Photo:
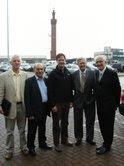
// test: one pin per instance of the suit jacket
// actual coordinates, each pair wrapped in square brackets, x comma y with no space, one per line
[107,90]
[86,98]
[33,99]
[7,91]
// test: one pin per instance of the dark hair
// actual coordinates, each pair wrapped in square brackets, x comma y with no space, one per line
[59,55]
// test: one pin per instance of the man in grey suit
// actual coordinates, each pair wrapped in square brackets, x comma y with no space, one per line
[83,85]
[12,85]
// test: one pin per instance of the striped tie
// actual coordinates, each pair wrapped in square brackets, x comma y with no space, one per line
[100,76]
[82,81]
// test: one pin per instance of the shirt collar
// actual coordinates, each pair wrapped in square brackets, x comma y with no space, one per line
[15,74]
[83,71]
[37,78]
[102,71]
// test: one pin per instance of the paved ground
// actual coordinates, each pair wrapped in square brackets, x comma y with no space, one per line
[83,155]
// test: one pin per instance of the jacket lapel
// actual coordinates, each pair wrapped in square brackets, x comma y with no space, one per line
[78,79]
[36,87]
[97,75]
[87,74]
[86,77]
[11,81]
[22,80]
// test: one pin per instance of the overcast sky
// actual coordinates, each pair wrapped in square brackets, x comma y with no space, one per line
[83,26]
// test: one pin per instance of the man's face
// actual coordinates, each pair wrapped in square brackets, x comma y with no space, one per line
[15,62]
[61,62]
[39,70]
[100,63]
[82,64]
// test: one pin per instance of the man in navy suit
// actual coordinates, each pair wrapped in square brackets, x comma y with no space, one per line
[83,85]
[36,102]
[107,92]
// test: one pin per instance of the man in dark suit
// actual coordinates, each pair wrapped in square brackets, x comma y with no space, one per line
[107,92]
[36,101]
[83,85]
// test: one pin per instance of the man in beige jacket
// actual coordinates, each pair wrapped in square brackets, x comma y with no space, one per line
[12,85]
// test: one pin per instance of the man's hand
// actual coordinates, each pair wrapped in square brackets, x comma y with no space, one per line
[55,109]
[1,111]
[71,105]
[31,118]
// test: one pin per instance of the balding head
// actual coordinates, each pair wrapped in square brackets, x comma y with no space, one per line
[100,62]
[39,70]
[15,57]
[15,62]
[100,56]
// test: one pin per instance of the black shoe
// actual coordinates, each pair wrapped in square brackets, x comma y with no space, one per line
[67,143]
[45,146]
[109,147]
[78,142]
[58,148]
[98,148]
[32,152]
[102,150]
[91,142]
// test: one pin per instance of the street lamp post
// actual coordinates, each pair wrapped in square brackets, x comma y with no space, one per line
[8,31]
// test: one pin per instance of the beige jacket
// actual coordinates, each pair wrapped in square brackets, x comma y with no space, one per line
[7,91]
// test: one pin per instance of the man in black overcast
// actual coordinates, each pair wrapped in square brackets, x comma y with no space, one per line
[107,92]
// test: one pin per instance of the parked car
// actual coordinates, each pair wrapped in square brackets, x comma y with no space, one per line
[49,68]
[5,67]
[71,67]
[91,66]
[110,67]
[26,67]
[118,66]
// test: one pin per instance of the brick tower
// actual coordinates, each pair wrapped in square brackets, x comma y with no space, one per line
[53,36]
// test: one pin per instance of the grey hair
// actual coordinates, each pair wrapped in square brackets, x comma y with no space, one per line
[81,58]
[11,58]
[100,56]
[35,65]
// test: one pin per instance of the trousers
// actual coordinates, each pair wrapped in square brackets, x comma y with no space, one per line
[10,126]
[60,123]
